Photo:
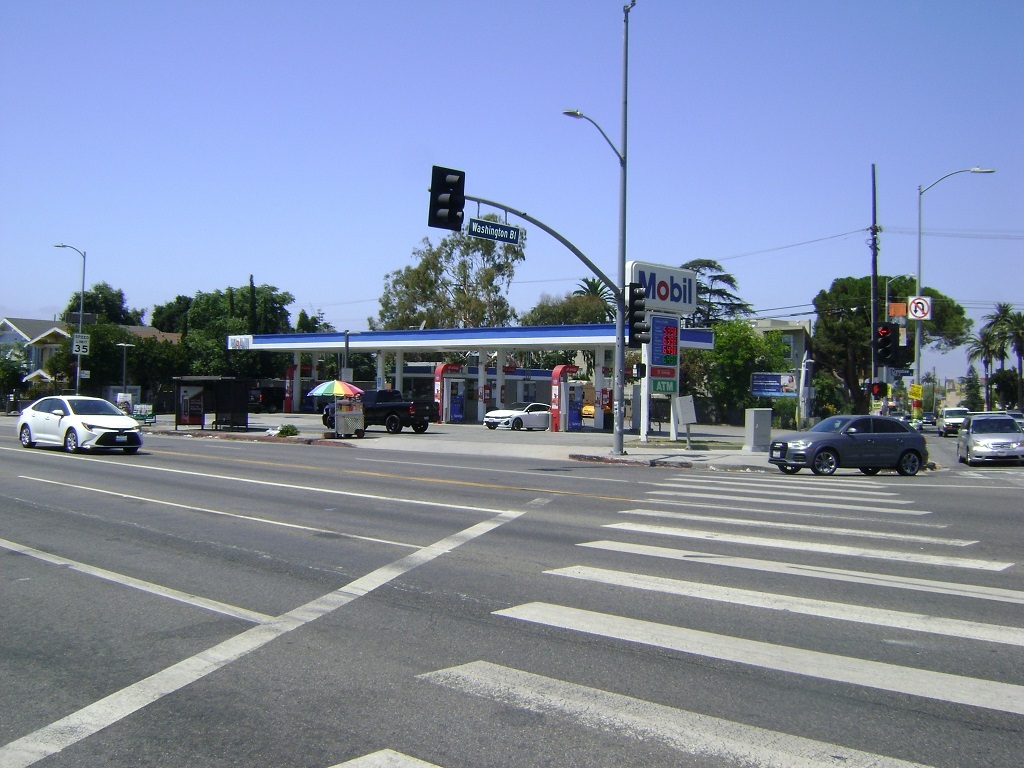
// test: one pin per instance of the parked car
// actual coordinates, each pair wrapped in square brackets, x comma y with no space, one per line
[990,437]
[519,416]
[78,423]
[869,443]
[587,412]
[950,420]
[928,417]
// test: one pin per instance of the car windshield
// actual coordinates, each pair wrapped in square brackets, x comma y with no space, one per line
[995,426]
[519,406]
[833,424]
[956,412]
[94,408]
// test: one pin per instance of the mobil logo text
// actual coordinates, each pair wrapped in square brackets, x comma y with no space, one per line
[666,288]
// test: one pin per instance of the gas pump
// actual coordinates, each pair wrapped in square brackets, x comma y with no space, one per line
[455,400]
[573,401]
[562,399]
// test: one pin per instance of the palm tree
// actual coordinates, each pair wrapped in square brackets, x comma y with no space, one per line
[1014,329]
[997,322]
[984,347]
[592,286]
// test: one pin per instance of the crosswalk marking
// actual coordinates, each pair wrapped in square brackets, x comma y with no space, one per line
[815,571]
[688,732]
[800,527]
[385,758]
[795,502]
[834,549]
[759,489]
[915,622]
[940,686]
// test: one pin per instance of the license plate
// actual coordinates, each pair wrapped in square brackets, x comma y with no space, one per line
[121,438]
[776,453]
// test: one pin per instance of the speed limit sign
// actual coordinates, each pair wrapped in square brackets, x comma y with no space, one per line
[919,308]
[80,344]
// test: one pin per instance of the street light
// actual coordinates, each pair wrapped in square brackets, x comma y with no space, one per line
[619,406]
[124,363]
[806,363]
[920,194]
[81,313]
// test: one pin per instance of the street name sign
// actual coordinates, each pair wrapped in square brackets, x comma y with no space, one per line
[492,230]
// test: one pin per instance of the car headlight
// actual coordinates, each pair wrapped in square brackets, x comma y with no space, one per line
[91,427]
[801,445]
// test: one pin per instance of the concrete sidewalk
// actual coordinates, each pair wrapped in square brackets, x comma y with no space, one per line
[711,447]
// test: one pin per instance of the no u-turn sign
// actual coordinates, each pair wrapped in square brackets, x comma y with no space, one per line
[919,308]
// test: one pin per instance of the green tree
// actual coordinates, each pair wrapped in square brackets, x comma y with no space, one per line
[571,309]
[212,317]
[998,321]
[842,332]
[1015,334]
[716,301]
[462,282]
[973,400]
[105,301]
[739,352]
[593,286]
[172,317]
[104,361]
[13,367]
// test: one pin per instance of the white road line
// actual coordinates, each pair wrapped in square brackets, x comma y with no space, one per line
[221,513]
[802,483]
[989,694]
[807,546]
[794,513]
[795,502]
[144,586]
[94,717]
[753,488]
[915,622]
[688,732]
[385,758]
[817,572]
[800,527]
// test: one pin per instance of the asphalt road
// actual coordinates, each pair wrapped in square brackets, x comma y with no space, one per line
[229,603]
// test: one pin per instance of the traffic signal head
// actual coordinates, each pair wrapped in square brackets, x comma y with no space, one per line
[447,198]
[638,330]
[879,389]
[885,338]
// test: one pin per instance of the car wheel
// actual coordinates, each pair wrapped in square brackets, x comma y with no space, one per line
[909,463]
[869,470]
[71,441]
[360,432]
[26,437]
[420,427]
[393,424]
[492,426]
[517,424]
[131,450]
[825,462]
[788,469]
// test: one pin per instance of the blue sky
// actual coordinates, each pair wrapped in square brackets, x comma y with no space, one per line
[186,145]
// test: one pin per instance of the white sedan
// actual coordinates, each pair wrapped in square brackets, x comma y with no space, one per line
[78,423]
[520,416]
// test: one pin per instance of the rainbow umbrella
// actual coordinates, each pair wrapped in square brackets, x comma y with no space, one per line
[336,388]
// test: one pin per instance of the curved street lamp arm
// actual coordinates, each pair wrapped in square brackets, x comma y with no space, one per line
[581,116]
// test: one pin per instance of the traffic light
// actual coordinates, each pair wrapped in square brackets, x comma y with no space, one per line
[879,389]
[637,327]
[447,198]
[885,338]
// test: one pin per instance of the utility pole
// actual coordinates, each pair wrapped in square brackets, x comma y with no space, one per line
[875,229]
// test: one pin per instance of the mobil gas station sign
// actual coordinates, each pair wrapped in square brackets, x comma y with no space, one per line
[667,289]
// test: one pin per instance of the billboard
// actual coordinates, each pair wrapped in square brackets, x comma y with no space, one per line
[774,385]
[666,289]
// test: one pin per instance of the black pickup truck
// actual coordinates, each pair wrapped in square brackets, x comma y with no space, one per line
[389,409]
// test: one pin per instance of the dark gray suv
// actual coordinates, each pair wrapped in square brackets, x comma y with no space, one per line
[868,443]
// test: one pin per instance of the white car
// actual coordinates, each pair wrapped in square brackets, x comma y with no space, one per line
[78,423]
[520,416]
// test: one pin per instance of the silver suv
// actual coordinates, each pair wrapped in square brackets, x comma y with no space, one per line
[950,420]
